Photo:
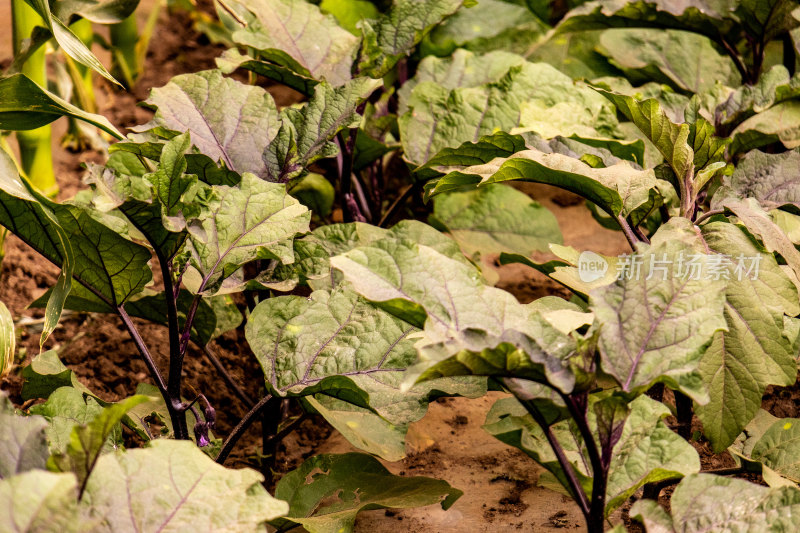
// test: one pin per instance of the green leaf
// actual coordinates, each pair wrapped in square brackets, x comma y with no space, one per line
[295,34]
[757,222]
[99,11]
[66,408]
[8,341]
[316,193]
[45,374]
[707,17]
[618,189]
[361,427]
[327,491]
[683,59]
[392,36]
[752,352]
[495,219]
[86,442]
[239,224]
[574,54]
[229,121]
[313,251]
[440,116]
[194,490]
[462,69]
[233,59]
[776,124]
[307,133]
[767,19]
[39,501]
[671,139]
[68,41]
[41,229]
[647,450]
[683,309]
[776,448]
[470,328]
[350,12]
[769,178]
[23,445]
[113,267]
[340,345]
[773,87]
[26,106]
[705,502]
[490,25]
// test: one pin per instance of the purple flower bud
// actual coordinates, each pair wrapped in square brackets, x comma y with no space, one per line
[201,434]
[211,416]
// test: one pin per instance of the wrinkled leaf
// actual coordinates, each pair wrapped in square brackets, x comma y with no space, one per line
[327,491]
[705,502]
[496,219]
[23,445]
[658,319]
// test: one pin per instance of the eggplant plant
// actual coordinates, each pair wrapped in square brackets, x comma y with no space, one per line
[691,155]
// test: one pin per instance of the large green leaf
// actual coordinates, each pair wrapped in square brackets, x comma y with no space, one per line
[236,225]
[23,445]
[470,328]
[313,251]
[708,17]
[327,491]
[195,490]
[776,124]
[86,442]
[112,267]
[758,222]
[170,486]
[39,501]
[751,353]
[340,345]
[705,502]
[685,60]
[773,444]
[574,54]
[296,35]
[66,408]
[495,219]
[443,115]
[771,179]
[767,19]
[658,318]
[671,139]
[773,87]
[306,133]
[618,189]
[25,106]
[491,25]
[350,12]
[229,121]
[45,374]
[462,69]
[99,11]
[392,36]
[363,428]
[647,450]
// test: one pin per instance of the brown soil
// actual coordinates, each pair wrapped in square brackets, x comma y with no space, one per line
[499,482]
